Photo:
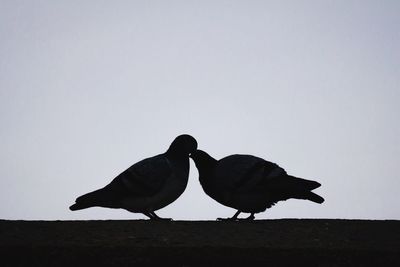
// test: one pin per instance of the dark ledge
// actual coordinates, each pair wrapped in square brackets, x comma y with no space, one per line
[288,242]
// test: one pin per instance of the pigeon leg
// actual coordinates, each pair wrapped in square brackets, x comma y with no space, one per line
[148,214]
[234,217]
[156,218]
[250,218]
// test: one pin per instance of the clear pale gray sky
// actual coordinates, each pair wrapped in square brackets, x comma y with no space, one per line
[88,88]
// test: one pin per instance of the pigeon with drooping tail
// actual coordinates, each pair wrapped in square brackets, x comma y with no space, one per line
[147,185]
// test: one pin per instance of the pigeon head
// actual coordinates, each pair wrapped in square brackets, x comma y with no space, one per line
[183,145]
[203,160]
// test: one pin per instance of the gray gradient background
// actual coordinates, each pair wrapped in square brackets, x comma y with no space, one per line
[88,88]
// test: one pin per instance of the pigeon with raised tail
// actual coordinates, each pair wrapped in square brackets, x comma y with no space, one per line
[250,184]
[149,184]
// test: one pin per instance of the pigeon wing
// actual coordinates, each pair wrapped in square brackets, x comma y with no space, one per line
[246,172]
[233,170]
[144,178]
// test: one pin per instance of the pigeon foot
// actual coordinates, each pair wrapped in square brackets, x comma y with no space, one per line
[227,219]
[155,217]
[233,218]
[250,218]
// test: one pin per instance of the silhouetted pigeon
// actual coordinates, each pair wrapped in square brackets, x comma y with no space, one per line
[248,183]
[148,185]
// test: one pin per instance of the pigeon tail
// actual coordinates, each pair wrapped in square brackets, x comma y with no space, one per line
[88,200]
[314,197]
[303,183]
[77,206]
[301,188]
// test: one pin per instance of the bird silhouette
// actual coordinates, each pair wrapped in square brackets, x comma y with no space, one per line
[249,184]
[148,185]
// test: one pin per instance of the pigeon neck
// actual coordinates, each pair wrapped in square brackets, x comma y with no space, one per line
[206,165]
[176,153]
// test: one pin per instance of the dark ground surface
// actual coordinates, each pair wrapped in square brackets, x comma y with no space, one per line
[287,242]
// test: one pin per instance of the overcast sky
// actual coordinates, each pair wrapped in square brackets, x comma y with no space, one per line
[87,88]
